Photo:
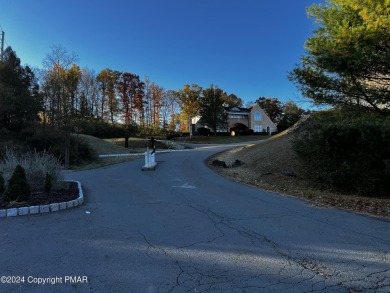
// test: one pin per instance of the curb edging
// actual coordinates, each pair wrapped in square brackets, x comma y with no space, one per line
[44,209]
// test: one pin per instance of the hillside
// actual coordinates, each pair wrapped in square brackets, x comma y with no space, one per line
[102,147]
[272,165]
[116,146]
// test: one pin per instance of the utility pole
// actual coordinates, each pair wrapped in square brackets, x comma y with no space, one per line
[2,45]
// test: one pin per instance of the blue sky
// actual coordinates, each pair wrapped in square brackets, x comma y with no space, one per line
[246,47]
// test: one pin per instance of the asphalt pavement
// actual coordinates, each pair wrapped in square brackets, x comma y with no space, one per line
[184,228]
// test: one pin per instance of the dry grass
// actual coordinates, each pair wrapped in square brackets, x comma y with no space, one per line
[116,146]
[268,166]
[139,144]
[102,147]
[221,139]
[108,146]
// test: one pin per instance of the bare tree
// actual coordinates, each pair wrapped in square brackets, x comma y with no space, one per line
[59,56]
[157,94]
[60,83]
[88,94]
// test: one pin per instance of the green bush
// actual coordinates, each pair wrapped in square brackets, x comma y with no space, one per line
[51,139]
[48,182]
[18,188]
[102,129]
[36,166]
[80,152]
[2,186]
[348,151]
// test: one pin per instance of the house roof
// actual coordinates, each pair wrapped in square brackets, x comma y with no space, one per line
[237,110]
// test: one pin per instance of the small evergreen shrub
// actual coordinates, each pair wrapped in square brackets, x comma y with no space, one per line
[18,187]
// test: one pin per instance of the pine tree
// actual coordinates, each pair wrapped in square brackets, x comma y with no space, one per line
[348,56]
[18,187]
[20,100]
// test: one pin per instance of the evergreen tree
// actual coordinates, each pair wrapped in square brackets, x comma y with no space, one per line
[348,56]
[20,100]
[18,187]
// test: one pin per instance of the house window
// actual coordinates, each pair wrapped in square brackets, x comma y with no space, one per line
[258,128]
[257,116]
[236,116]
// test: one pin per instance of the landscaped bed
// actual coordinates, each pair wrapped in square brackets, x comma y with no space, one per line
[68,192]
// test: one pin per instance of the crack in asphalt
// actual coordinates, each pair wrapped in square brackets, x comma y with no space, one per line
[314,267]
[192,276]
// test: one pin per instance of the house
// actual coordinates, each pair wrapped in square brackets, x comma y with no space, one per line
[241,120]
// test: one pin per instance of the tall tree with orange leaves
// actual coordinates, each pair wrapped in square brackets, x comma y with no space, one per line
[130,90]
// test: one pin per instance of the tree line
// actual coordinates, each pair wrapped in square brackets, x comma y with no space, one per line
[63,95]
[71,93]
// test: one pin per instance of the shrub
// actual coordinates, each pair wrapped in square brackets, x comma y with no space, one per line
[18,188]
[48,180]
[36,166]
[349,152]
[172,135]
[102,129]
[204,131]
[2,185]
[80,152]
[51,139]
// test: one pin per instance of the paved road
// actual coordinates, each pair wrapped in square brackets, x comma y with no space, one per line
[184,228]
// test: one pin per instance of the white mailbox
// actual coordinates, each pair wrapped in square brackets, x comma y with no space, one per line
[150,161]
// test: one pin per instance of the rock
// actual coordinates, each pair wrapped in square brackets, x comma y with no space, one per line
[288,173]
[218,163]
[237,163]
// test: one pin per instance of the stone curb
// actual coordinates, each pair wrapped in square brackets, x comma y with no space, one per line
[42,209]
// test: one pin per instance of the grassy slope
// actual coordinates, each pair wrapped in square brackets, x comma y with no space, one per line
[102,147]
[263,167]
[220,139]
[116,146]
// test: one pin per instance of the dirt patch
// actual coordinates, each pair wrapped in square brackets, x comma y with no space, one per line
[272,165]
[68,192]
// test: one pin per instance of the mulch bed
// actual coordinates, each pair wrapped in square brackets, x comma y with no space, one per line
[69,192]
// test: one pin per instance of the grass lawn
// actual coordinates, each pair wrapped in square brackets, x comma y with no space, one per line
[113,146]
[221,139]
[134,142]
[105,147]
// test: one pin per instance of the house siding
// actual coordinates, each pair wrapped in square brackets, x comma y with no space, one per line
[264,122]
[233,121]
[243,116]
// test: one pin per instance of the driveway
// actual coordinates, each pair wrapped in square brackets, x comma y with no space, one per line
[183,228]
